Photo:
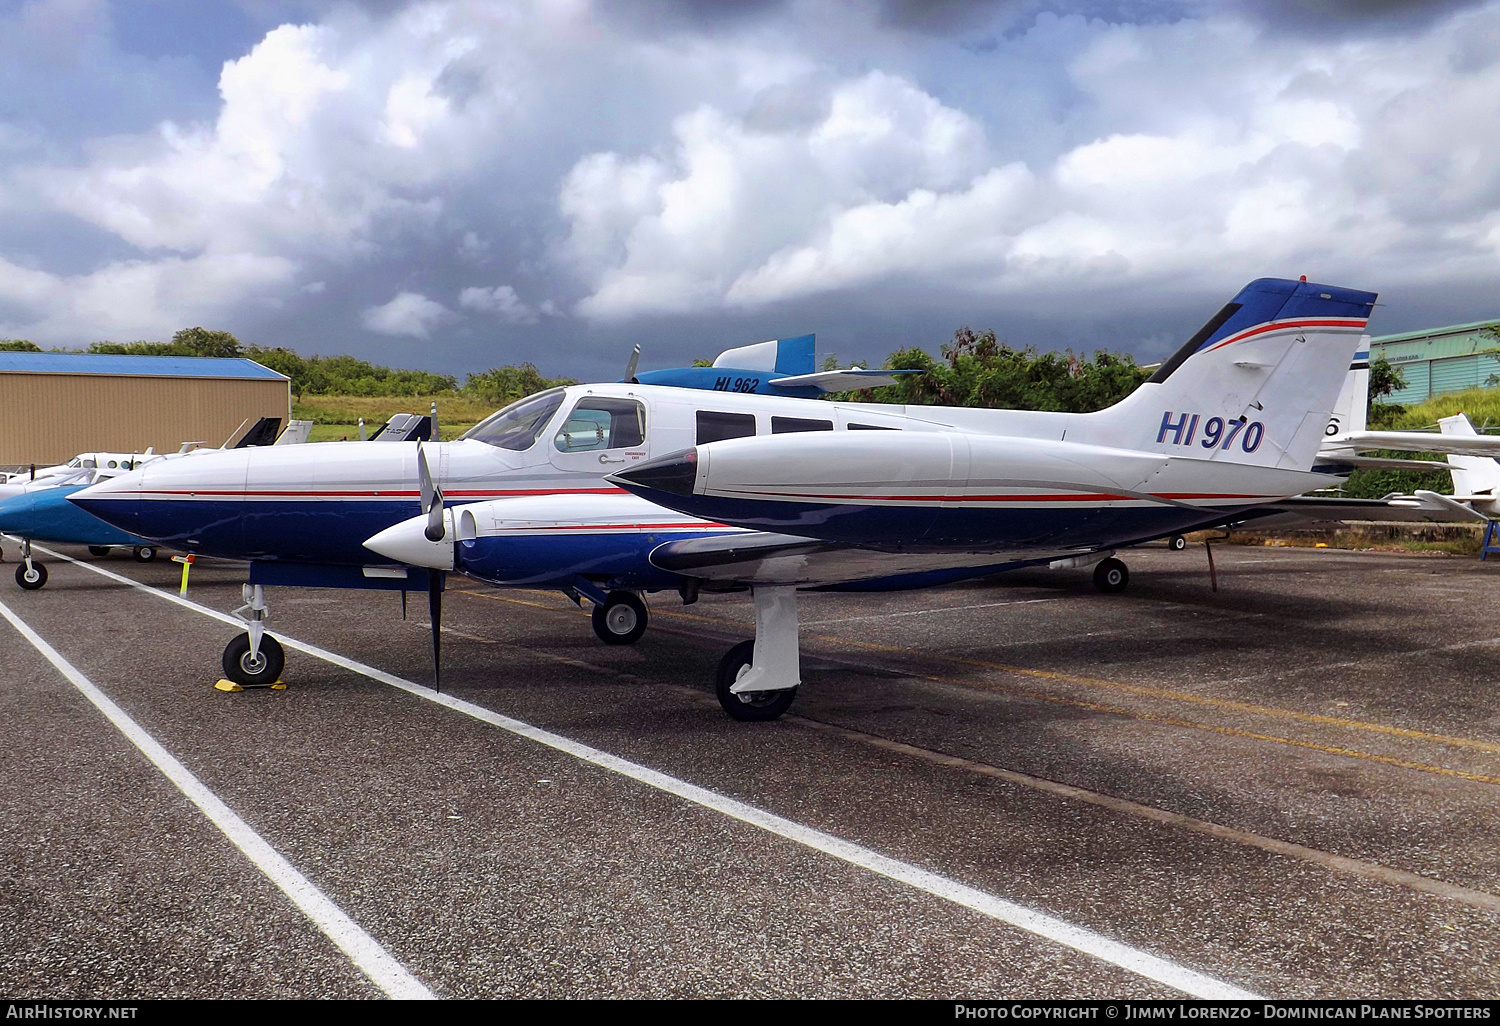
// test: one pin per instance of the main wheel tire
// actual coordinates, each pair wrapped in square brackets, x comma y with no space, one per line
[1177,543]
[250,673]
[144,553]
[99,550]
[31,579]
[621,620]
[1111,576]
[748,706]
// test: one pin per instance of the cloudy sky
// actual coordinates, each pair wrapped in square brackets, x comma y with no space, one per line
[460,184]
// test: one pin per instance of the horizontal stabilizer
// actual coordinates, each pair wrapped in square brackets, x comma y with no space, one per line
[1420,441]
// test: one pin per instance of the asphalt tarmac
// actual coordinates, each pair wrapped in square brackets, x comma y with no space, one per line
[1012,788]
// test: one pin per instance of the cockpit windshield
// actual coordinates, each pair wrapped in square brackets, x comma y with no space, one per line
[520,424]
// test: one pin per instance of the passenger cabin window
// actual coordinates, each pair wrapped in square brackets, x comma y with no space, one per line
[519,425]
[599,423]
[872,427]
[787,425]
[715,427]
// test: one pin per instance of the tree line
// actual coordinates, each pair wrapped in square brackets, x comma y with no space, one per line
[330,375]
[975,369]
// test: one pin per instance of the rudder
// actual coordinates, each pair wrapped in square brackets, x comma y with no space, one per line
[1255,385]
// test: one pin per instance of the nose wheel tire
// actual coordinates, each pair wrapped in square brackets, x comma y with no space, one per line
[1177,543]
[621,620]
[33,578]
[99,550]
[748,706]
[261,671]
[1111,576]
[145,553]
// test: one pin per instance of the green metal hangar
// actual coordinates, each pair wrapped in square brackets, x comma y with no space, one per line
[1439,360]
[54,406]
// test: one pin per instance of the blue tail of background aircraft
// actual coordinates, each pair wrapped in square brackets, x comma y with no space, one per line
[785,367]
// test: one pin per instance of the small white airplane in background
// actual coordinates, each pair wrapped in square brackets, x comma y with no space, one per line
[81,469]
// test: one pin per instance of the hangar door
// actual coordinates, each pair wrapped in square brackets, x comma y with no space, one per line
[1461,372]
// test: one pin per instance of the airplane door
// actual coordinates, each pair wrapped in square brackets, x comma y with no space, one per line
[600,435]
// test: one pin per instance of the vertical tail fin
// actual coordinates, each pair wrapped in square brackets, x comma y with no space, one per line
[1256,385]
[1352,409]
[1472,475]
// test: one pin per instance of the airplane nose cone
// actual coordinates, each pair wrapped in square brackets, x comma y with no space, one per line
[676,473]
[407,543]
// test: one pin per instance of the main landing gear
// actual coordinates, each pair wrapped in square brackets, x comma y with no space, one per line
[1111,576]
[757,680]
[254,659]
[30,574]
[1177,543]
[620,619]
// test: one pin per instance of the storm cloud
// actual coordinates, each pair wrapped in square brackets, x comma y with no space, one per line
[455,185]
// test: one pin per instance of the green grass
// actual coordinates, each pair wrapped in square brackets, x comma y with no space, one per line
[1481,404]
[337,416]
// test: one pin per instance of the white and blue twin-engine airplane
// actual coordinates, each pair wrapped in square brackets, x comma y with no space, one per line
[768,493]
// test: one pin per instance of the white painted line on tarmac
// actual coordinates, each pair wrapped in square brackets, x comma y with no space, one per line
[363,950]
[1142,963]
[939,609]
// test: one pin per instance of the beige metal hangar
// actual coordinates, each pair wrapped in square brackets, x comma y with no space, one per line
[54,406]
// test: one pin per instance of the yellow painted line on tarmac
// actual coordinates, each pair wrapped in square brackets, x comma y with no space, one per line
[1178,696]
[1137,689]
[1176,721]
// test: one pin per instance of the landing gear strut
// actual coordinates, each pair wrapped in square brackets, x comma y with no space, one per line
[254,659]
[620,619]
[757,680]
[30,574]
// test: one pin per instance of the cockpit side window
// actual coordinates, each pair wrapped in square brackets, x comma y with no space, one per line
[598,422]
[520,424]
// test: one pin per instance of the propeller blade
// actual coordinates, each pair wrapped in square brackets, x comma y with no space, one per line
[432,499]
[435,613]
[635,358]
[424,480]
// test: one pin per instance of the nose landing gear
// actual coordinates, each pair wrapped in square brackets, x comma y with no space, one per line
[30,574]
[254,659]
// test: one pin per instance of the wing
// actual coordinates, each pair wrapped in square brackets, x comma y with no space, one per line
[1420,508]
[1417,441]
[760,557]
[841,380]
